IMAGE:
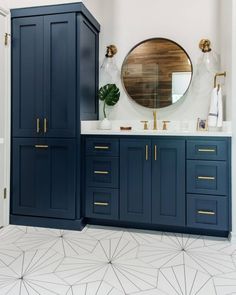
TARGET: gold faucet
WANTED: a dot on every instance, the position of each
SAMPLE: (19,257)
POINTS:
(154,120)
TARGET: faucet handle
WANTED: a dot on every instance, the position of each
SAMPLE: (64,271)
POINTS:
(165,124)
(145,126)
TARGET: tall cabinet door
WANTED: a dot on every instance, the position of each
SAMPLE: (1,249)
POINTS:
(28,176)
(168,182)
(60,75)
(44,178)
(27,76)
(59,199)
(135,181)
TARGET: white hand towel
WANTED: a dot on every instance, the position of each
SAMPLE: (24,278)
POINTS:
(220,109)
(213,111)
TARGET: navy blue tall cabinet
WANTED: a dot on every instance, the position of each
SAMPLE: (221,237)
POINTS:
(54,87)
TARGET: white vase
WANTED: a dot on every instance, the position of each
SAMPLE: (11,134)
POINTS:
(105,124)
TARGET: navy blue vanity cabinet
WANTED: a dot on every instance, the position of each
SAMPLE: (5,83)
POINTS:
(54,85)
(135,180)
(168,182)
(102,171)
(44,177)
(208,184)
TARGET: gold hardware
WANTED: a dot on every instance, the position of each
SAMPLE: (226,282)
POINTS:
(38,125)
(101,204)
(145,127)
(41,146)
(111,51)
(205,45)
(45,125)
(5,193)
(101,172)
(207,150)
(165,125)
(101,147)
(154,120)
(155,152)
(206,212)
(146,152)
(206,178)
(6,38)
(218,75)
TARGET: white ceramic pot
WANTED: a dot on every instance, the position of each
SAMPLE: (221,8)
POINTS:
(105,124)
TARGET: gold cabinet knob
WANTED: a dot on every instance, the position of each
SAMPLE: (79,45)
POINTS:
(145,126)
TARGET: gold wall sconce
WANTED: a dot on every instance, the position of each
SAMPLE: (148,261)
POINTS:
(205,45)
(111,51)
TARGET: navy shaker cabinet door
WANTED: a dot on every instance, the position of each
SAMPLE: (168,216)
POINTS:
(168,182)
(27,76)
(135,180)
(44,178)
(60,75)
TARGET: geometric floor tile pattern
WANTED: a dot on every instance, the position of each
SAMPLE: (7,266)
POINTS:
(114,261)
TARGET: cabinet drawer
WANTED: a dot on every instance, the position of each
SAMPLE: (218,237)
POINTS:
(209,212)
(207,177)
(102,172)
(102,147)
(102,203)
(207,150)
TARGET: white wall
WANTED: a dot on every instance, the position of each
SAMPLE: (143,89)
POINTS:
(127,22)
(184,21)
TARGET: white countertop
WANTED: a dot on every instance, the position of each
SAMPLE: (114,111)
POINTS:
(92,127)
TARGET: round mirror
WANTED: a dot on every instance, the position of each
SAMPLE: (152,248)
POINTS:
(157,73)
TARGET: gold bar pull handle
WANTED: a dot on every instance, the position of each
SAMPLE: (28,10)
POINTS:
(41,146)
(101,172)
(155,152)
(207,150)
(38,125)
(206,178)
(101,204)
(146,153)
(45,125)
(98,147)
(202,212)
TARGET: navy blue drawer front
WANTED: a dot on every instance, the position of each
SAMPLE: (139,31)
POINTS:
(207,177)
(207,150)
(208,212)
(102,172)
(102,203)
(102,146)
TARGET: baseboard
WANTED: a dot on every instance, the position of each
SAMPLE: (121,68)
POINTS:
(232,237)
(47,222)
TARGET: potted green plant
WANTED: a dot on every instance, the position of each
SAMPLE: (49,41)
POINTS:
(109,95)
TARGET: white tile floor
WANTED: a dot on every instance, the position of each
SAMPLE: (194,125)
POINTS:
(109,261)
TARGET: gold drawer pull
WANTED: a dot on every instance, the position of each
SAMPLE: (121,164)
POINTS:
(41,146)
(155,152)
(98,147)
(206,212)
(207,150)
(45,125)
(206,178)
(38,125)
(146,152)
(101,172)
(101,204)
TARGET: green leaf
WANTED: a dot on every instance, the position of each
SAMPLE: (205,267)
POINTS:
(110,94)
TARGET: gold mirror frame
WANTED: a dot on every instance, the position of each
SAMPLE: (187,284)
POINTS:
(154,90)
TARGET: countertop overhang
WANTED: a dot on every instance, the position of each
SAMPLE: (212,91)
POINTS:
(92,128)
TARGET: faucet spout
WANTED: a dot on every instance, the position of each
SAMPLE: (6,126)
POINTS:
(154,120)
